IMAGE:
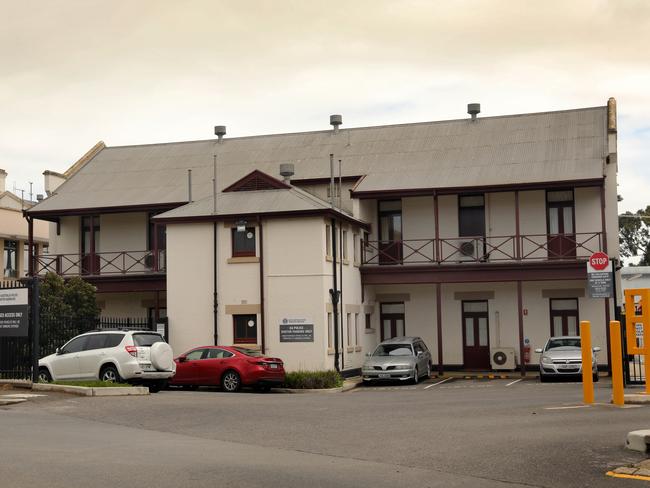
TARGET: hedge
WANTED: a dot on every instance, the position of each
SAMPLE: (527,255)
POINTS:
(301,380)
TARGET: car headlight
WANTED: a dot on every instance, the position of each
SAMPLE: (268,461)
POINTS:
(546,360)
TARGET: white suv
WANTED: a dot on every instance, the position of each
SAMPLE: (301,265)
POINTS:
(138,357)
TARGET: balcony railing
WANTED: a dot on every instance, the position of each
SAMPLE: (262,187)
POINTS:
(102,263)
(490,249)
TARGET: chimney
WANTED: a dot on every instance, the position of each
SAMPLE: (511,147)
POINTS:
(220,131)
(611,115)
(3,177)
(52,181)
(287,171)
(473,109)
(335,121)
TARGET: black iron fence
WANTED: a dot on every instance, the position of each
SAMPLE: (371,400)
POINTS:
(633,366)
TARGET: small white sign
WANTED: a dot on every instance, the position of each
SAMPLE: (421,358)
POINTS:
(14,296)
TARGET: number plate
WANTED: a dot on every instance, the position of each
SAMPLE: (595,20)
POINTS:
(274,366)
(568,366)
(384,375)
(147,367)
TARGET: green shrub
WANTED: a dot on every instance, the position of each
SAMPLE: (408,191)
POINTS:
(302,380)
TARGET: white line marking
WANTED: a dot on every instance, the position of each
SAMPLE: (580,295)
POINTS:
(513,382)
(438,383)
(565,408)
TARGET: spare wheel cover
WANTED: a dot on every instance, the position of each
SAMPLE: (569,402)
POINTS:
(162,357)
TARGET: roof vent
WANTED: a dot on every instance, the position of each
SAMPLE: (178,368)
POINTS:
(287,170)
(473,109)
(220,131)
(39,197)
(335,121)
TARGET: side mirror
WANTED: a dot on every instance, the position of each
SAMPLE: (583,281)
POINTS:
(539,350)
(420,354)
(58,351)
(182,359)
(368,354)
(596,349)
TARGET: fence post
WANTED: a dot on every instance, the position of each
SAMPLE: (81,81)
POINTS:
(36,326)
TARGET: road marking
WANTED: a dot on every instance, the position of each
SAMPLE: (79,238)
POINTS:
(566,408)
(628,476)
(438,383)
(513,382)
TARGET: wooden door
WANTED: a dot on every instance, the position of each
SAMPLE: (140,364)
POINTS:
(476,335)
(561,225)
(392,320)
(390,232)
(564,317)
(89,245)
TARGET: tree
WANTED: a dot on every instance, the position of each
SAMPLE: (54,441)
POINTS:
(68,308)
(634,235)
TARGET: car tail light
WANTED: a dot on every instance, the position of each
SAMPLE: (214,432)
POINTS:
(132,350)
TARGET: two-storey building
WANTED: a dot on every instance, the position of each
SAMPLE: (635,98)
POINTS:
(471,233)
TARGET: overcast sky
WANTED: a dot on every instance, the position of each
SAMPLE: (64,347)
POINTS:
(128,72)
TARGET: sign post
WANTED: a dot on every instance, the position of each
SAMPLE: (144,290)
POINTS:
(600,278)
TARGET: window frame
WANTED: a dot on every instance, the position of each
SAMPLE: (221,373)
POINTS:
(244,340)
(245,253)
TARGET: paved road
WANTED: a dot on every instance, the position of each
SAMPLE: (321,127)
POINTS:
(458,433)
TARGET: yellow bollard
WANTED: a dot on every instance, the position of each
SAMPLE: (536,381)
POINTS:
(587,375)
(618,396)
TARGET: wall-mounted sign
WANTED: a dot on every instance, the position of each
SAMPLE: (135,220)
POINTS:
(296,330)
(14,312)
(600,279)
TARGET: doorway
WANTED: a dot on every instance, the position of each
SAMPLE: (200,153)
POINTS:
(564,317)
(390,232)
(392,320)
(561,228)
(89,245)
(476,335)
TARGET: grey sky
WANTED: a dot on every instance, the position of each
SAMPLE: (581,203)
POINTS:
(130,72)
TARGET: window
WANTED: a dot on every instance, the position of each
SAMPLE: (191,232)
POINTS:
(344,245)
(95,341)
(348,323)
(216,353)
(146,339)
(243,243)
(471,216)
(368,323)
(328,241)
(355,248)
(418,348)
(245,329)
(26,259)
(157,234)
(10,259)
(330,331)
(75,345)
(113,340)
(194,355)
(356,329)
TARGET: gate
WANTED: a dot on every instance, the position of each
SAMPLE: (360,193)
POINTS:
(633,366)
(16,330)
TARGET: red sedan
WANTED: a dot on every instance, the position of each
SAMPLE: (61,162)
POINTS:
(228,366)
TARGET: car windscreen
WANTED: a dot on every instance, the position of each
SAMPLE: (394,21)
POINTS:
(248,352)
(568,343)
(393,350)
(146,340)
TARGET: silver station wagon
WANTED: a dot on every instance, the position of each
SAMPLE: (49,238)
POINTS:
(398,359)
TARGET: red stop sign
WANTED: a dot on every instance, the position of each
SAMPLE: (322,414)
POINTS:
(599,261)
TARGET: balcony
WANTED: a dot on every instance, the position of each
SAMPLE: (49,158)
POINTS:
(109,264)
(481,250)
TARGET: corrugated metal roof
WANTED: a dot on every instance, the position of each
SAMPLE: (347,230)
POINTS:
(249,202)
(528,148)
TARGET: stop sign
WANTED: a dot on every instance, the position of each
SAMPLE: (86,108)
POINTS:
(599,261)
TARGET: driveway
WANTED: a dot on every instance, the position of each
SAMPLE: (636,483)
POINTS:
(452,433)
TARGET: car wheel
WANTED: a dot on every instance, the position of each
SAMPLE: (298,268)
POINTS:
(428,370)
(230,381)
(596,377)
(44,375)
(416,376)
(110,373)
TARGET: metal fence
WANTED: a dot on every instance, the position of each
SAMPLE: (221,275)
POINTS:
(633,366)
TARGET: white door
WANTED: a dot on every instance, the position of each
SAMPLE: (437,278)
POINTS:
(91,356)
(66,364)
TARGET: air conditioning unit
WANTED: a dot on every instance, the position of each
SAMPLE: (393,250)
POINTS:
(467,250)
(502,358)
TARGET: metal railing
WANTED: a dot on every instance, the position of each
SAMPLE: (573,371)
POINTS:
(480,249)
(102,263)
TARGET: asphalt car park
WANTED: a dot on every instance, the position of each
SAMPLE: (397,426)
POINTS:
(442,432)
